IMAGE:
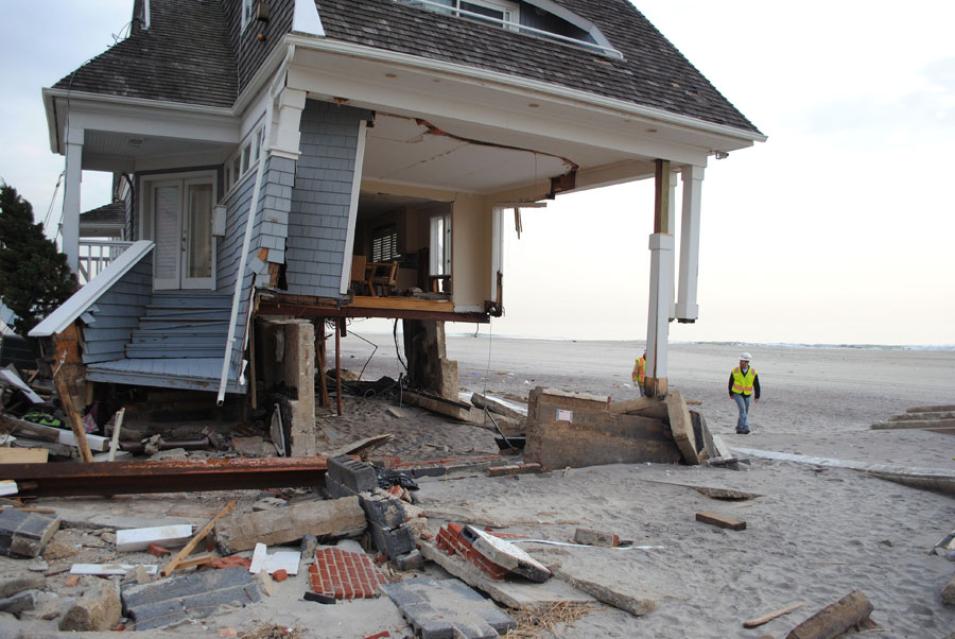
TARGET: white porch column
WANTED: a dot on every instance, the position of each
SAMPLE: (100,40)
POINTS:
(671,225)
(70,222)
(661,285)
(687,310)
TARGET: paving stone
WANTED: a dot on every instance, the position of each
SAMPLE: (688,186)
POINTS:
(98,609)
(392,543)
(351,475)
(168,601)
(18,583)
(20,602)
(440,609)
(25,534)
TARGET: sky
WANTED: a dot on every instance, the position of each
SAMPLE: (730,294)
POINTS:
(838,230)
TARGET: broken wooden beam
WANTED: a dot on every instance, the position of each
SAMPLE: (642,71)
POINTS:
(513,469)
(721,521)
(755,622)
(117,478)
(173,563)
(940,408)
(924,424)
(851,611)
(497,406)
(681,425)
(437,404)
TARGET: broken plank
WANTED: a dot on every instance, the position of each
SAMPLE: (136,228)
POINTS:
(513,469)
(53,449)
(24,455)
(722,521)
(940,408)
(498,406)
(360,446)
(835,619)
(915,423)
(199,536)
(11,424)
(440,405)
(681,425)
(755,622)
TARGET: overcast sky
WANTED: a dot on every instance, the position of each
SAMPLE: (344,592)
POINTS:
(839,229)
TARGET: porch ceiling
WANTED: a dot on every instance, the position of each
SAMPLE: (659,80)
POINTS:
(401,149)
(115,151)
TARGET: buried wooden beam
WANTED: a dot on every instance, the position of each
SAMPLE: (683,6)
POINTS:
(198,537)
(756,622)
(339,329)
(852,611)
(320,340)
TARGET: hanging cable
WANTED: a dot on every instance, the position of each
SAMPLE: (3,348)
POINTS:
(394,332)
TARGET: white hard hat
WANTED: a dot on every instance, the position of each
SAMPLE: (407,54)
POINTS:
(745,357)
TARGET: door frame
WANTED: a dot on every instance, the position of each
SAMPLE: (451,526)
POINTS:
(146,227)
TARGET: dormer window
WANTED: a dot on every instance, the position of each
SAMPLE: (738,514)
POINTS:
(541,18)
(248,8)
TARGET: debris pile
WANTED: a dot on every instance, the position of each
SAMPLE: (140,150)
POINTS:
(939,419)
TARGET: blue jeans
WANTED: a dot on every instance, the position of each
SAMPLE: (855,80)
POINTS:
(742,402)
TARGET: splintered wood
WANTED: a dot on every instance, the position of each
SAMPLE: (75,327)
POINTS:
(681,425)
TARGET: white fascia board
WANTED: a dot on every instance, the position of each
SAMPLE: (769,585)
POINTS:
(79,303)
(581,98)
(305,19)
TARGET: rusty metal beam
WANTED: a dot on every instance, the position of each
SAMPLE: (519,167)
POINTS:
(173,476)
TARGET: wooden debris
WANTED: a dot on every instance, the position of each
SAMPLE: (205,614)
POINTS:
(923,424)
(114,442)
(189,547)
(904,417)
(722,521)
(943,408)
(361,446)
(24,455)
(105,570)
(11,424)
(722,494)
(755,622)
(851,611)
(497,406)
(76,421)
(513,469)
(195,561)
(681,425)
(440,405)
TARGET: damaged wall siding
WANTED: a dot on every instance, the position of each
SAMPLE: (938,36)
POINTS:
(271,222)
(318,219)
(116,314)
(229,246)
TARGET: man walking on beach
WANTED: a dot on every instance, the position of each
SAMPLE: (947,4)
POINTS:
(639,373)
(744,381)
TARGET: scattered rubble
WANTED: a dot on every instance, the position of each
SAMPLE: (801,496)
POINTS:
(25,534)
(445,608)
(852,611)
(98,609)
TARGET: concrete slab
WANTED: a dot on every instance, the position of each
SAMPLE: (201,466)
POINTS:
(447,608)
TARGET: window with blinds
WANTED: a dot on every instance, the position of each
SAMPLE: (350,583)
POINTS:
(384,244)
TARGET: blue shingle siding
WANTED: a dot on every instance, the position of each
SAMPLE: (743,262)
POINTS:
(229,247)
(116,314)
(318,219)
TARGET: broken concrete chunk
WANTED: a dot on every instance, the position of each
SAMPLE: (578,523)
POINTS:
(413,560)
(394,542)
(25,534)
(384,510)
(98,609)
(134,539)
(346,476)
(948,593)
(635,605)
(447,608)
(596,538)
(10,586)
(507,555)
(190,596)
(20,602)
(327,518)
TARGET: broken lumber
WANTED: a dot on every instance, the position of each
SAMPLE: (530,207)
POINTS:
(24,455)
(646,406)
(497,406)
(941,408)
(681,425)
(199,536)
(755,622)
(76,422)
(721,521)
(328,518)
(925,424)
(904,417)
(361,446)
(513,469)
(11,424)
(437,404)
(120,478)
(835,619)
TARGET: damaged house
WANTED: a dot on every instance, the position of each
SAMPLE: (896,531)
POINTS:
(321,160)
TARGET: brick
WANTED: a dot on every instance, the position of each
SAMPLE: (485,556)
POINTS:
(280,575)
(169,601)
(354,475)
(157,550)
(344,575)
(25,534)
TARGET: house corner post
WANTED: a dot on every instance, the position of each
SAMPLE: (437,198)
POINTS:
(687,309)
(73,178)
(661,284)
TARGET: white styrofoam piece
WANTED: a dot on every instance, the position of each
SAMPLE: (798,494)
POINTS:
(503,552)
(134,539)
(14,380)
(110,569)
(286,560)
(8,487)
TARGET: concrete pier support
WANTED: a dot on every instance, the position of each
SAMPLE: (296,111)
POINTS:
(286,350)
(429,368)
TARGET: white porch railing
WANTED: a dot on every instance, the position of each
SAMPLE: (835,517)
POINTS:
(96,255)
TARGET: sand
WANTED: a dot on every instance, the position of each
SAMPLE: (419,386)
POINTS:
(815,534)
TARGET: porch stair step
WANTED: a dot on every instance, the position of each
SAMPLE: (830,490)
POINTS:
(185,339)
(173,351)
(179,300)
(153,312)
(205,327)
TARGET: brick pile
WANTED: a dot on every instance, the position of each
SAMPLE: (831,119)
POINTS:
(452,542)
(344,575)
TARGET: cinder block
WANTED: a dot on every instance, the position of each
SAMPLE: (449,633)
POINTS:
(353,474)
(392,543)
(413,560)
(384,510)
(25,534)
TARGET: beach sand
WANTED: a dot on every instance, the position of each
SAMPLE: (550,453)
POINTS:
(814,535)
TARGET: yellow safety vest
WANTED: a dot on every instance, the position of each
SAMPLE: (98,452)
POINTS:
(743,384)
(639,370)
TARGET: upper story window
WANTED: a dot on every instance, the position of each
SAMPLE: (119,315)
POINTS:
(248,8)
(246,157)
(542,18)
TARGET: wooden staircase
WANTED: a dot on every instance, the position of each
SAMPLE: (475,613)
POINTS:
(182,325)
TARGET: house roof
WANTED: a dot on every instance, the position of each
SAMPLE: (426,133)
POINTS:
(185,56)
(652,72)
(108,214)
